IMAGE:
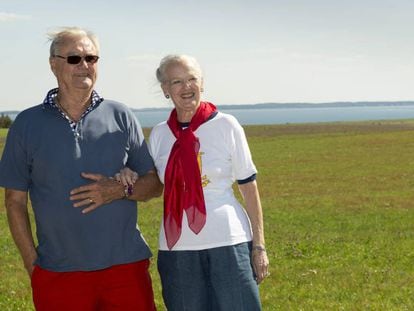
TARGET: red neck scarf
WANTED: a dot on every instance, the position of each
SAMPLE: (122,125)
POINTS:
(183,190)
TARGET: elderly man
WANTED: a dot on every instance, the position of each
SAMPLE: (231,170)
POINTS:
(83,261)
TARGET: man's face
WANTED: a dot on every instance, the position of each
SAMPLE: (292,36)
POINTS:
(79,76)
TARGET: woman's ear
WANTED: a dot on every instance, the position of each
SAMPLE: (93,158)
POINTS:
(165,90)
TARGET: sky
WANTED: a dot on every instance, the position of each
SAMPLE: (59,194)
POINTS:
(283,51)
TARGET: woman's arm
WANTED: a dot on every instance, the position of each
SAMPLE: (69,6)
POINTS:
(251,198)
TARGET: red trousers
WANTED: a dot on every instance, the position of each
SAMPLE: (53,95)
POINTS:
(118,288)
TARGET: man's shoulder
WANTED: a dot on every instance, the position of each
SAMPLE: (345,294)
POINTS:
(118,112)
(30,114)
(32,110)
(115,105)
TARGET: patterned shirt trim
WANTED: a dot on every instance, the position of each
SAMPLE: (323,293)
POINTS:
(50,100)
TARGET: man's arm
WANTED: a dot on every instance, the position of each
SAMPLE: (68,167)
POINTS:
(104,190)
(19,223)
(146,187)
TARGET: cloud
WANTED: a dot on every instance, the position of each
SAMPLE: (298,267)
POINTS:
(11,17)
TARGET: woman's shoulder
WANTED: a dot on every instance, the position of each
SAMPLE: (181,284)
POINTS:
(225,119)
(160,126)
(159,129)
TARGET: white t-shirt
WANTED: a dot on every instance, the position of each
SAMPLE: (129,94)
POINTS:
(224,157)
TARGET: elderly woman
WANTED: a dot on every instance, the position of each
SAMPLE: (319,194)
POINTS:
(207,244)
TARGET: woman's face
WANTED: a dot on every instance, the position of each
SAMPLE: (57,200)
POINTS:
(183,84)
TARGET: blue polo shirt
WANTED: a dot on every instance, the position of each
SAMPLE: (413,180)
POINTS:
(45,156)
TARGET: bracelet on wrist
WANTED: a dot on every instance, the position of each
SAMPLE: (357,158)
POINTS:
(259,248)
(128,190)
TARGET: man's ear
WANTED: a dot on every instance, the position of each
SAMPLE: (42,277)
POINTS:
(52,63)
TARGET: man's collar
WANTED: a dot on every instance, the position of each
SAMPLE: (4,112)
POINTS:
(49,100)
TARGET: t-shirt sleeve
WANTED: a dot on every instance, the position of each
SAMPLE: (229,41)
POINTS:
(139,158)
(15,163)
(243,166)
(247,180)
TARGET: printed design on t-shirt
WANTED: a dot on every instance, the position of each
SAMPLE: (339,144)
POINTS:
(204,179)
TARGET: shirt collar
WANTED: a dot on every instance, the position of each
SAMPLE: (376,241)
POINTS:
(49,100)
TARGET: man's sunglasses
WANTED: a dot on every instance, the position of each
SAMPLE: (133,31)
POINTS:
(76,59)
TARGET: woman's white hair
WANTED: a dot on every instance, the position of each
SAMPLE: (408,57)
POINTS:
(176,59)
(60,35)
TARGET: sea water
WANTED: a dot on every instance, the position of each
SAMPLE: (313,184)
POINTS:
(149,118)
(279,115)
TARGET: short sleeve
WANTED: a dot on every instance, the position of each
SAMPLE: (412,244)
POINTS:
(15,163)
(139,158)
(243,166)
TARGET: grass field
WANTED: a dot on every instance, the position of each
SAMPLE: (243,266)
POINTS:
(338,202)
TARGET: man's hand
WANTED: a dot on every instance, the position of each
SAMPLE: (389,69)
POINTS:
(102,191)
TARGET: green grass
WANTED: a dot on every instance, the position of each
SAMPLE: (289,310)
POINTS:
(339,218)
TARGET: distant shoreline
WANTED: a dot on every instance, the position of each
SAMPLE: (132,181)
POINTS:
(299,105)
(278,105)
(319,105)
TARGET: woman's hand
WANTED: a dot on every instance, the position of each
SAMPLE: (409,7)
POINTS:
(126,177)
(260,264)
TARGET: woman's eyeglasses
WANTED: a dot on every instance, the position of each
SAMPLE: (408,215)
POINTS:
(181,82)
(76,59)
